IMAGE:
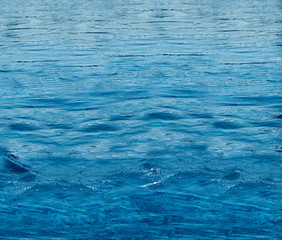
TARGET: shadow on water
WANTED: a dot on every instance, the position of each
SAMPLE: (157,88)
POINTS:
(12,163)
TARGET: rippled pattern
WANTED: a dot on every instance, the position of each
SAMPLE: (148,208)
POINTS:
(140,119)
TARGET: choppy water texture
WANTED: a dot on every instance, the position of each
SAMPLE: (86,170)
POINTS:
(154,119)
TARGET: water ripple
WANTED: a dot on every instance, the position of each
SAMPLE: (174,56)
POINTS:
(140,120)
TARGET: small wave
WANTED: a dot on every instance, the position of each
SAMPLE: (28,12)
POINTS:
(23,127)
(161,116)
(100,128)
(227,125)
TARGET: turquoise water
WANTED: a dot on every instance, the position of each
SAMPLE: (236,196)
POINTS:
(140,119)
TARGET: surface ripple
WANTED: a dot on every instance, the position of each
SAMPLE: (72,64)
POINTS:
(140,119)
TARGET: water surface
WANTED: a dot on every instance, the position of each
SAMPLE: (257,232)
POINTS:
(140,119)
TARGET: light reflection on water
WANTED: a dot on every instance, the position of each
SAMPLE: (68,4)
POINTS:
(140,119)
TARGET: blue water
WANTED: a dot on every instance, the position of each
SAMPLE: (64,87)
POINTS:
(154,119)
